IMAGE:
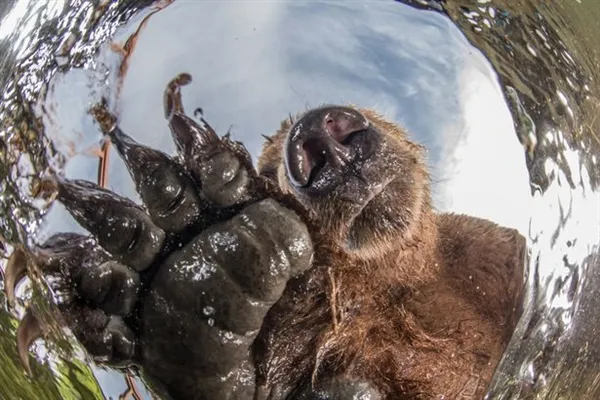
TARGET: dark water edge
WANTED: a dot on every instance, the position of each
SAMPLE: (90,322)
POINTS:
(540,49)
(50,37)
(547,55)
(554,99)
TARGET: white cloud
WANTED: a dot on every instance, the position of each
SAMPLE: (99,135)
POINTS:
(485,170)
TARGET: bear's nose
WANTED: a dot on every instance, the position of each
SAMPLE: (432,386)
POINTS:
(318,138)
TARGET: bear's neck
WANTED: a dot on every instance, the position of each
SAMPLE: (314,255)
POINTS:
(407,260)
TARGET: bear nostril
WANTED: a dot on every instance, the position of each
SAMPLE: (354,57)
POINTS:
(337,129)
(330,126)
(315,156)
(340,123)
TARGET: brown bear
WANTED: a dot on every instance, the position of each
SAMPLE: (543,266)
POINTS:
(421,304)
(325,274)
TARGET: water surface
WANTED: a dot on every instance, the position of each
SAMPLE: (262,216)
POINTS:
(503,94)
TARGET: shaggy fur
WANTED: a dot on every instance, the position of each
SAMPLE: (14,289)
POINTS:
(420,304)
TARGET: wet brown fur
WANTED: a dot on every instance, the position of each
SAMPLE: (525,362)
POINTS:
(422,309)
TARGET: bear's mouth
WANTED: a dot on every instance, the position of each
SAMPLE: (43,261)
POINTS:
(372,192)
(331,148)
(321,165)
(320,142)
(355,182)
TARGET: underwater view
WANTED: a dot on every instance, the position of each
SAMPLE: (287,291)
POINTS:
(500,96)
